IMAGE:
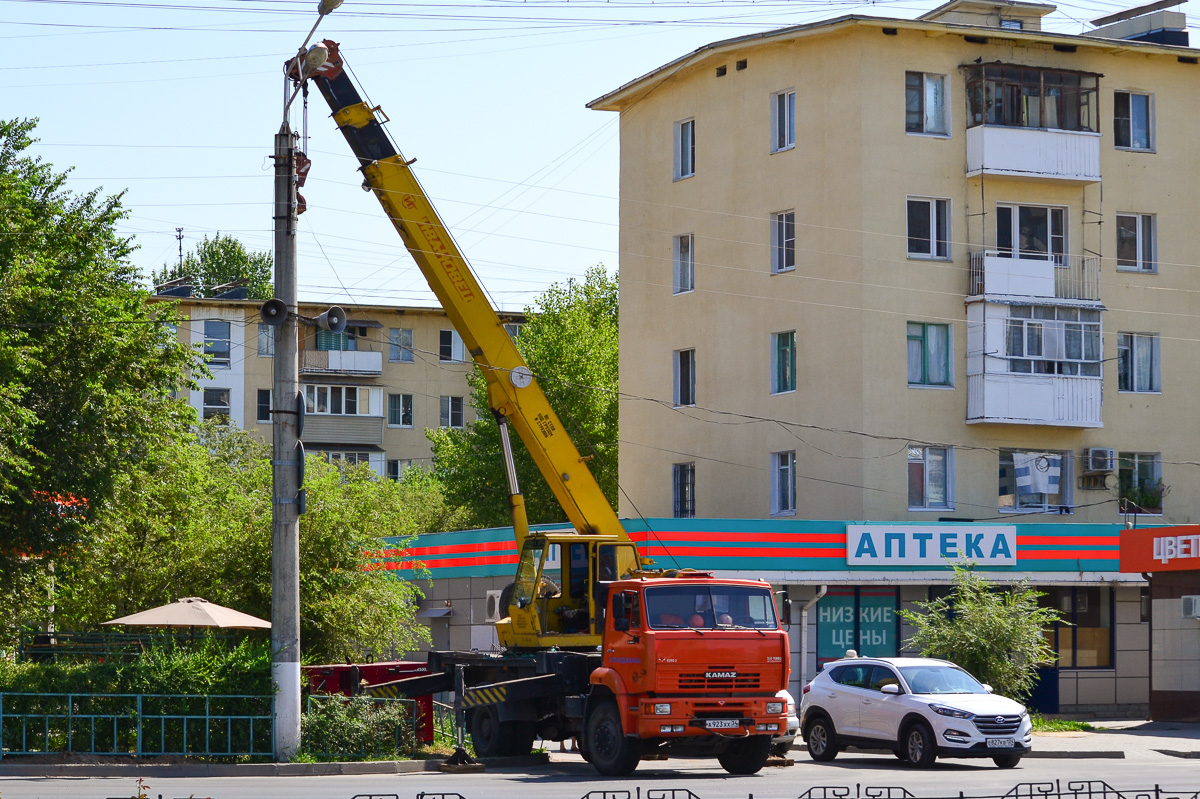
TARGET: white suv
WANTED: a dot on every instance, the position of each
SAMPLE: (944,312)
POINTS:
(918,708)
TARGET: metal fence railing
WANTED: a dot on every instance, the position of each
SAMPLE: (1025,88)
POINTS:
(136,724)
(40,646)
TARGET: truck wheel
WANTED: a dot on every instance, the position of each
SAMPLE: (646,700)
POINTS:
(918,745)
(610,752)
(746,755)
(520,735)
(487,733)
(821,740)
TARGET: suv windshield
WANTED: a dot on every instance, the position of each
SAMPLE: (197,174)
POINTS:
(709,607)
(940,680)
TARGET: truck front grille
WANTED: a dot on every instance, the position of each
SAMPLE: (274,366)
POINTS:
(993,726)
(699,681)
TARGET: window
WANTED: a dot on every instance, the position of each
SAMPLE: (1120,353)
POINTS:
(400,410)
(684,264)
(683,479)
(1012,24)
(925,103)
(216,403)
(928,354)
(1132,121)
(338,400)
(783,483)
(216,343)
(1025,97)
(1031,231)
(396,468)
(349,458)
(1136,242)
(783,121)
(783,362)
(346,341)
(685,149)
(1049,340)
(783,241)
(266,341)
(928,228)
(400,345)
(1139,480)
(1035,481)
(929,478)
(264,406)
(450,346)
(512,329)
(1083,639)
(451,412)
(685,377)
(1138,362)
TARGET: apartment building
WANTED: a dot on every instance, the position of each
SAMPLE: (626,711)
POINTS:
(370,392)
(934,278)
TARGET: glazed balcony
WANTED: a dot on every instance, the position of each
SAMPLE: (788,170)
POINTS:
(341,362)
(1067,277)
(1037,153)
(1053,400)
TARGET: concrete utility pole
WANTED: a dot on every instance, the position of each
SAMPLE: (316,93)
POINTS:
(285,512)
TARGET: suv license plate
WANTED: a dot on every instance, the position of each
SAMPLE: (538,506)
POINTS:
(724,724)
(1000,743)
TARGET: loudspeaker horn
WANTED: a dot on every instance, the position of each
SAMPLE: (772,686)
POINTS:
(333,320)
(273,312)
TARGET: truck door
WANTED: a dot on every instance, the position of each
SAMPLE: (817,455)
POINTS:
(624,650)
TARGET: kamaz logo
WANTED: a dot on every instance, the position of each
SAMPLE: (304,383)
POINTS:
(720,675)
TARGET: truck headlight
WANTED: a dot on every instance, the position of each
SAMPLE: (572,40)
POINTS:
(774,708)
(662,709)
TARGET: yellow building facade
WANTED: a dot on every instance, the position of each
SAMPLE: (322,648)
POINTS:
(911,270)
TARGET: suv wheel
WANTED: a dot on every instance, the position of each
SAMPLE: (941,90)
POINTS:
(821,740)
(1006,761)
(918,746)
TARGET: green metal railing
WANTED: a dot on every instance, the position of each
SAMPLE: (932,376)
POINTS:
(136,724)
(443,724)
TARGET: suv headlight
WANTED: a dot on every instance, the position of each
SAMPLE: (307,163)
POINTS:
(952,712)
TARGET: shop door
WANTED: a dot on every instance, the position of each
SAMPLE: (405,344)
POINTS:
(1044,698)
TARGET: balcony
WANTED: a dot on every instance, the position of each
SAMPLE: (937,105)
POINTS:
(1033,153)
(341,362)
(1053,400)
(1071,277)
(333,429)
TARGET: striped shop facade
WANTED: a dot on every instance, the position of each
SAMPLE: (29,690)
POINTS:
(869,570)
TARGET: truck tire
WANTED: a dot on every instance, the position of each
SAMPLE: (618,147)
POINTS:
(610,752)
(520,735)
(746,755)
(487,733)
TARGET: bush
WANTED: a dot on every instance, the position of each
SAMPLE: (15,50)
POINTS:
(357,728)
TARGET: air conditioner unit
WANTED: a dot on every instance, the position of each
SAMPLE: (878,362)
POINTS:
(1099,459)
(492,606)
(1191,607)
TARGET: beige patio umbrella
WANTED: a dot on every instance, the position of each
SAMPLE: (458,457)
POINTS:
(192,611)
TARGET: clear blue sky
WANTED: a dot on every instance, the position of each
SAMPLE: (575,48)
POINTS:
(176,105)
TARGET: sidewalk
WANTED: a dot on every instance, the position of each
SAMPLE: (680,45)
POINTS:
(1122,739)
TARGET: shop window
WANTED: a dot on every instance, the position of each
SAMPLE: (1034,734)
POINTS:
(1084,637)
(859,618)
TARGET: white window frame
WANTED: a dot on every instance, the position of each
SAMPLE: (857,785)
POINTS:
(319,399)
(683,264)
(458,353)
(406,409)
(683,490)
(920,454)
(1149,148)
(1065,485)
(685,148)
(1130,347)
(1145,227)
(211,337)
(783,483)
(778,341)
(258,397)
(928,79)
(513,329)
(266,340)
(1059,257)
(209,409)
(1036,344)
(783,241)
(684,392)
(937,236)
(449,408)
(400,345)
(783,120)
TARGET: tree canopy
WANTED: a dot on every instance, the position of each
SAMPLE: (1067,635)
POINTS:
(220,260)
(570,343)
(996,633)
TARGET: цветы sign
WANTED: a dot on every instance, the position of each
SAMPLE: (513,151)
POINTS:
(1161,549)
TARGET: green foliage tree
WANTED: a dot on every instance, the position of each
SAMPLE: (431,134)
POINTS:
(570,343)
(87,367)
(994,633)
(220,260)
(198,523)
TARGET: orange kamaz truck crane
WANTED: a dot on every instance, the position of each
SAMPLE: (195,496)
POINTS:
(597,645)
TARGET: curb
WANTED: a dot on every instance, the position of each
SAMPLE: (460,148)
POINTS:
(252,769)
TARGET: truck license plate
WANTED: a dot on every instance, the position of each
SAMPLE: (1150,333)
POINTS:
(722,724)
(1000,743)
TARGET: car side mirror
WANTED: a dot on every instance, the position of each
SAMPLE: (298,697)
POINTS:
(890,688)
(987,688)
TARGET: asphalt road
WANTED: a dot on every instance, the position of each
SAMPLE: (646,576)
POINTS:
(573,779)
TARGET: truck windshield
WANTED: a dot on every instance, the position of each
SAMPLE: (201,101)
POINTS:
(720,607)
